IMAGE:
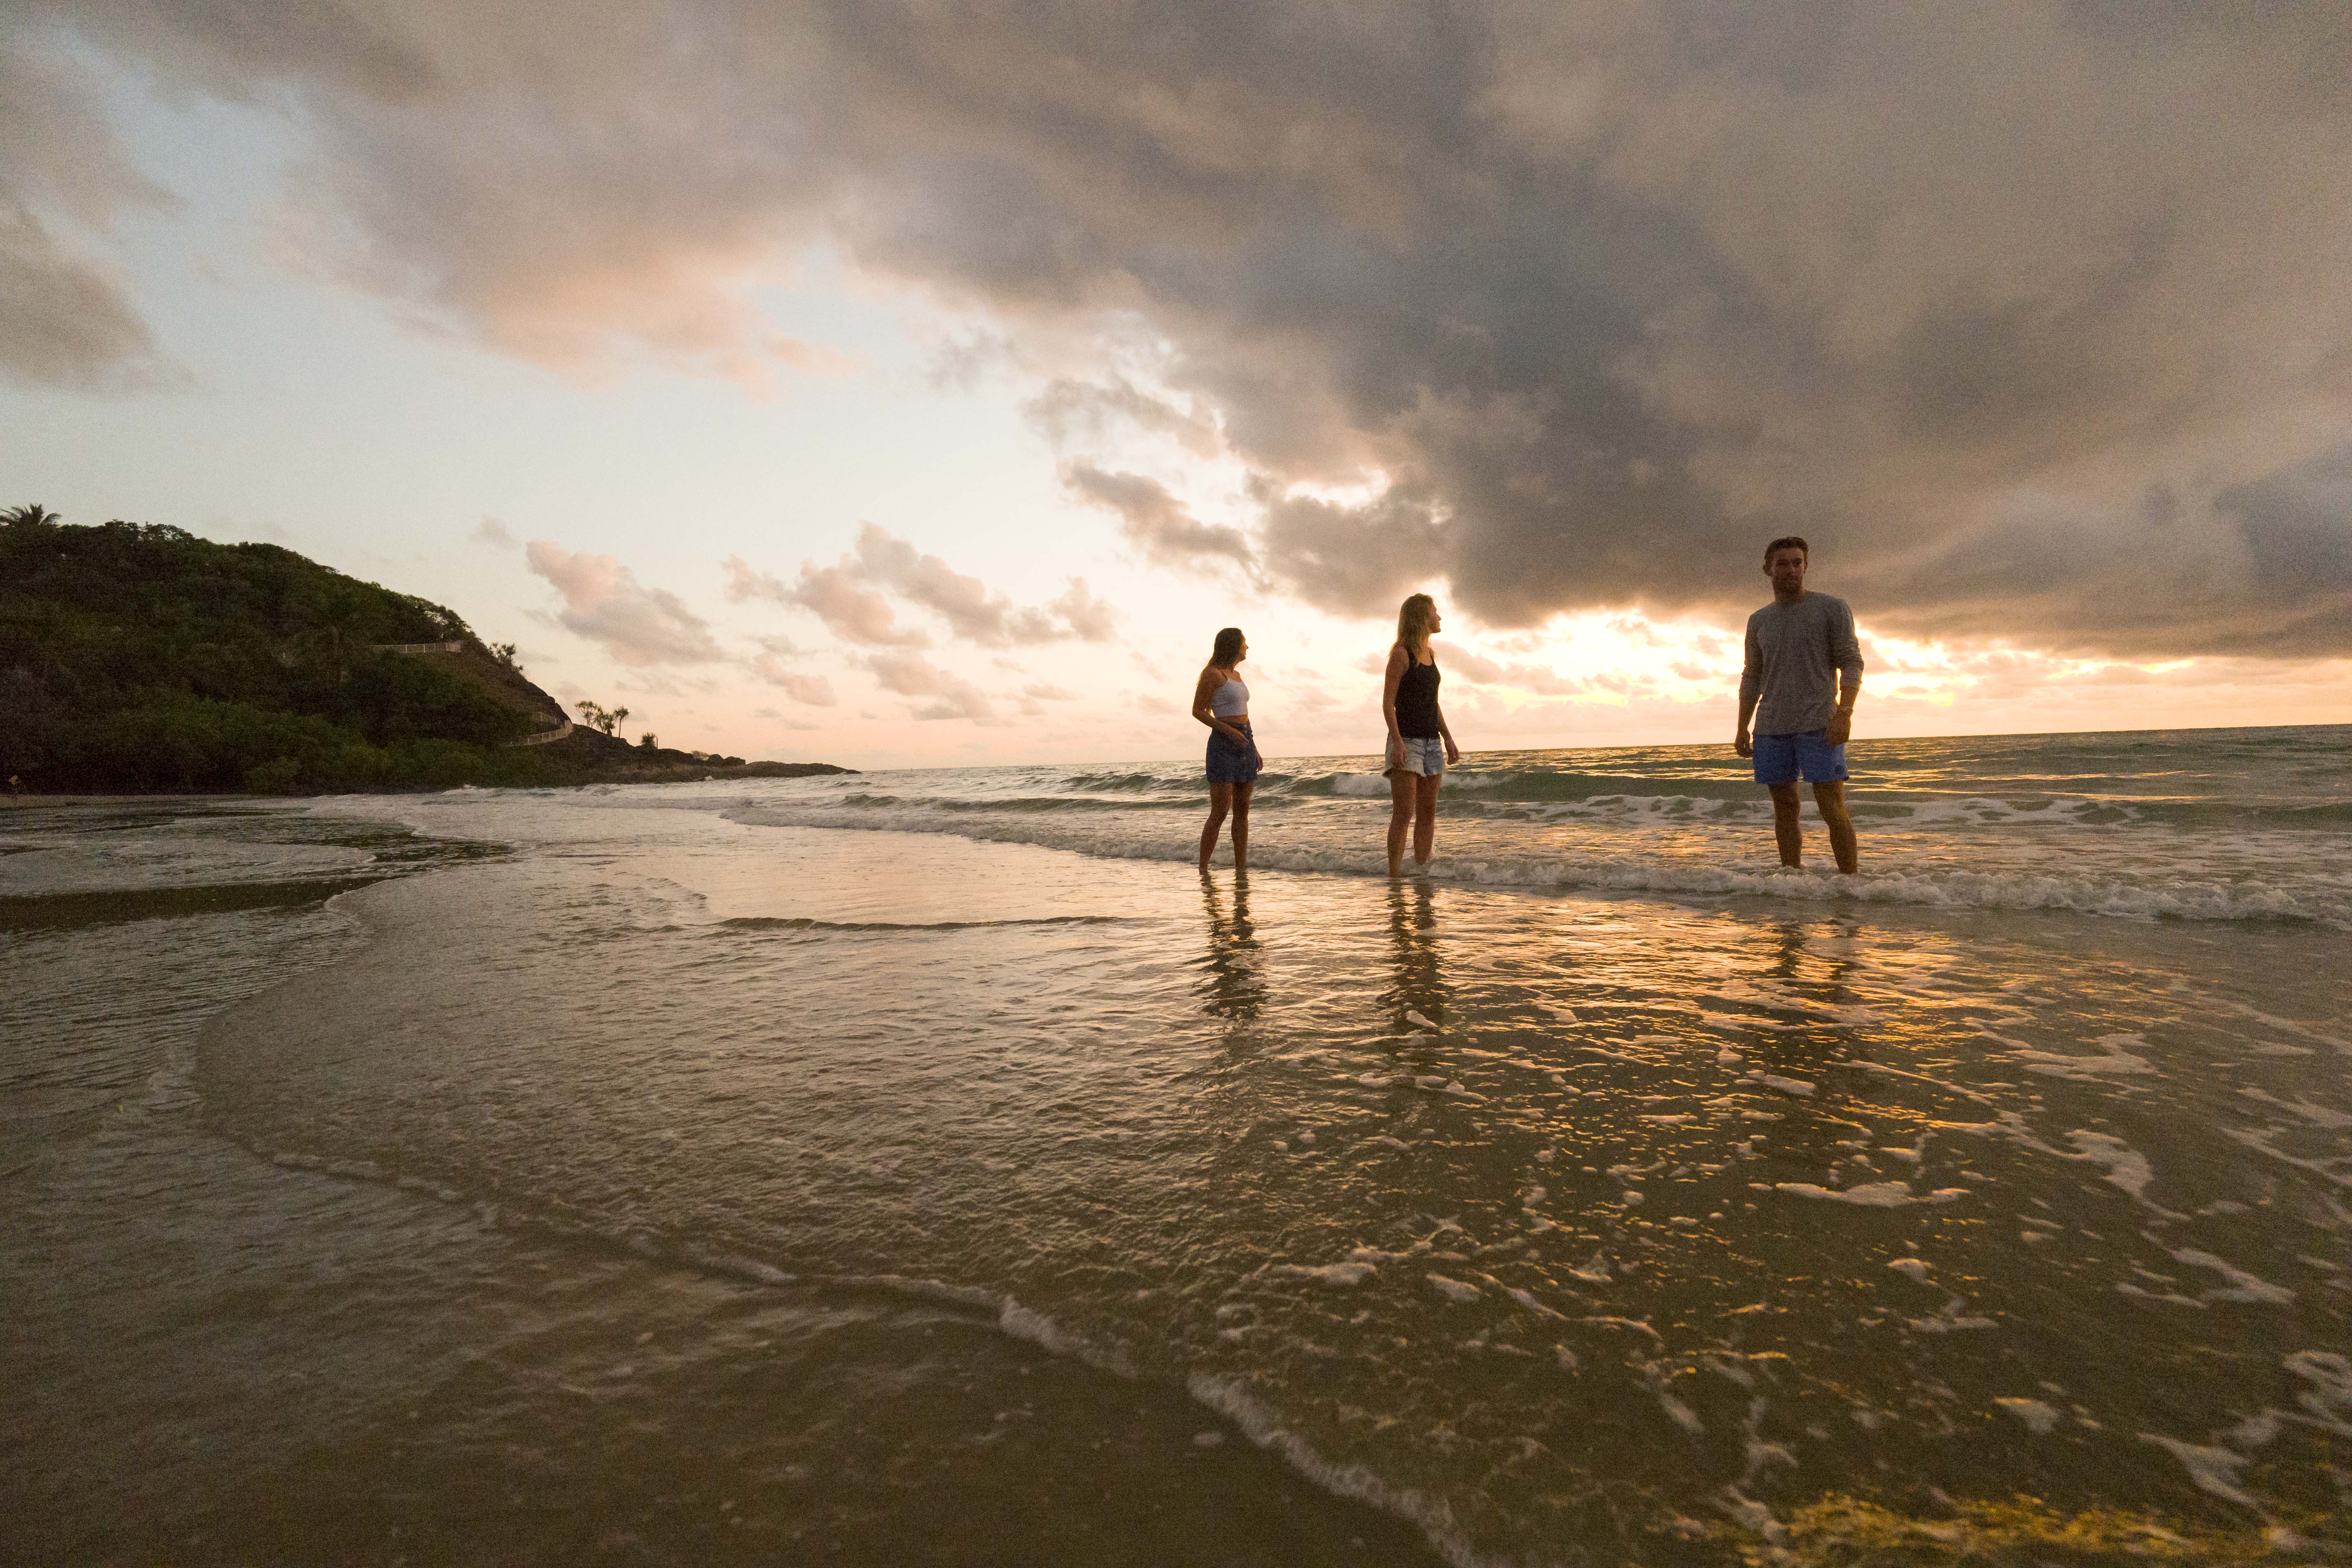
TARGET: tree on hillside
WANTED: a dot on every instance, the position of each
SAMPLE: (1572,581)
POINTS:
(33,515)
(596,716)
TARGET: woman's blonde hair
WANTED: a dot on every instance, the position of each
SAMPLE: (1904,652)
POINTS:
(1412,622)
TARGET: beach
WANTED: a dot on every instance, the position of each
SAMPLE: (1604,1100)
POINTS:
(932,1166)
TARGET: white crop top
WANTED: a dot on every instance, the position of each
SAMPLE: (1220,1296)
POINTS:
(1230,700)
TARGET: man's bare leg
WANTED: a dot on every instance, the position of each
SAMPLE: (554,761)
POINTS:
(1401,792)
(1831,798)
(1424,817)
(1241,825)
(1784,824)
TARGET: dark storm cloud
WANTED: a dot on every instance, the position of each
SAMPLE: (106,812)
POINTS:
(1067,408)
(1480,671)
(2293,525)
(1156,522)
(67,324)
(65,321)
(238,49)
(1363,558)
(1589,300)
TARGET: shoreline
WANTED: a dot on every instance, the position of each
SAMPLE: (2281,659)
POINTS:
(684,775)
(1635,1120)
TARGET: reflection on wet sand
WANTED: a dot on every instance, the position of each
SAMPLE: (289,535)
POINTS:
(1418,987)
(1233,983)
(1800,1023)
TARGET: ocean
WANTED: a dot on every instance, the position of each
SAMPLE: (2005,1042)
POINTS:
(933,1167)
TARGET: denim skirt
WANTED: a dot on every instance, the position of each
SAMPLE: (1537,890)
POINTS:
(1422,755)
(1229,763)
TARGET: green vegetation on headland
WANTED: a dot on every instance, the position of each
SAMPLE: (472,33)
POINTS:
(137,658)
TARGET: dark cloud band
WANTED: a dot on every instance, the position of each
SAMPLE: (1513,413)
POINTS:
(1585,301)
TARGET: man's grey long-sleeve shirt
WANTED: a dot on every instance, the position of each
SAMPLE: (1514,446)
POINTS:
(1795,654)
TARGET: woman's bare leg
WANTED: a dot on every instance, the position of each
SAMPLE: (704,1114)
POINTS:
(1220,800)
(1241,793)
(1400,817)
(1424,817)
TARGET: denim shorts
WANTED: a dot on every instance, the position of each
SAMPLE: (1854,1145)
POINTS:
(1422,755)
(1231,764)
(1781,758)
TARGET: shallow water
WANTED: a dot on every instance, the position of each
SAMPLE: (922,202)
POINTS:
(667,1175)
(2206,824)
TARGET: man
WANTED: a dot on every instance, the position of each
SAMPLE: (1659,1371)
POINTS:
(1803,675)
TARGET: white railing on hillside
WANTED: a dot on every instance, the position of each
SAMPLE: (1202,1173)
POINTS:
(454,645)
(544,736)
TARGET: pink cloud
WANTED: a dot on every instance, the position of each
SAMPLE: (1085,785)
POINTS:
(603,602)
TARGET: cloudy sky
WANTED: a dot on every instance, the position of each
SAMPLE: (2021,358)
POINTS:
(926,383)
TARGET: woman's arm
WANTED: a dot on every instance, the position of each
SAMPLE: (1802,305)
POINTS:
(1206,688)
(1397,659)
(1453,751)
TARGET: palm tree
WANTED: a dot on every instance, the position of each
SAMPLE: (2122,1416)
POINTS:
(32,515)
(598,717)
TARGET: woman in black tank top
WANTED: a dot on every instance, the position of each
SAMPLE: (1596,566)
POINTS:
(1416,702)
(1419,746)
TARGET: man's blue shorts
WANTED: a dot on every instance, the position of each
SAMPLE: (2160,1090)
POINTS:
(1781,758)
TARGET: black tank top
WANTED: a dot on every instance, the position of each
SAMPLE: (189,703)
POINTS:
(1416,700)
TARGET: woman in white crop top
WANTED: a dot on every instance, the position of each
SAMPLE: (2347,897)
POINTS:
(1220,702)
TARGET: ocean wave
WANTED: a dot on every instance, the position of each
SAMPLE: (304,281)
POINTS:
(1435,1520)
(1135,783)
(1371,787)
(1039,803)
(1523,794)
(2144,894)
(1525,785)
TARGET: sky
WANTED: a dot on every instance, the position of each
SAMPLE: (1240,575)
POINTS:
(925,384)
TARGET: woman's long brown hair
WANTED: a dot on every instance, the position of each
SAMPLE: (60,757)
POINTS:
(1412,624)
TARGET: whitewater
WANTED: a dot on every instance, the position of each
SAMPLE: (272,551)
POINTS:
(2208,825)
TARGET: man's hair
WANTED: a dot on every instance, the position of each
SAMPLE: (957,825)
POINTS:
(1787,542)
